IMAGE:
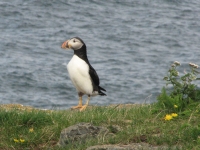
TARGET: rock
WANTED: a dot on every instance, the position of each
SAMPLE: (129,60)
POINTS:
(105,147)
(80,132)
(133,146)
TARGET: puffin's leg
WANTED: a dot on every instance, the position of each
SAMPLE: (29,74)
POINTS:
(80,101)
(87,103)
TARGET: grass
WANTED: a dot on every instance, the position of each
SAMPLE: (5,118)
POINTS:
(40,129)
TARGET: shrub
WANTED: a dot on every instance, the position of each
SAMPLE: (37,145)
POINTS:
(183,90)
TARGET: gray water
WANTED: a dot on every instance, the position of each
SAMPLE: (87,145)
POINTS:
(131,45)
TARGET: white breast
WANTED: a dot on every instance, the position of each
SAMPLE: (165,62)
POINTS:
(79,74)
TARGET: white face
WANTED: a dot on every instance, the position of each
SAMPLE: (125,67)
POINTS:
(75,44)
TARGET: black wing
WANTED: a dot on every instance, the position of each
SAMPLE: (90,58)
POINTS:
(94,76)
(95,81)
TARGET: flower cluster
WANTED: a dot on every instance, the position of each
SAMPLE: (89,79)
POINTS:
(19,140)
(175,106)
(31,130)
(193,65)
(170,116)
(22,140)
(177,63)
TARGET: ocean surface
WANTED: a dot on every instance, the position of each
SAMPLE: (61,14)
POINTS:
(131,45)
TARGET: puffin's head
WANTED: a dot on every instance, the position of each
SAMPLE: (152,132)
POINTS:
(74,43)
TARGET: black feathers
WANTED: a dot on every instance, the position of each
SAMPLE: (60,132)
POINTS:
(95,81)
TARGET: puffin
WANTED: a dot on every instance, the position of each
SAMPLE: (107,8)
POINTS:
(82,74)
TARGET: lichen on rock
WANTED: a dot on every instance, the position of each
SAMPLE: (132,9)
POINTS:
(80,132)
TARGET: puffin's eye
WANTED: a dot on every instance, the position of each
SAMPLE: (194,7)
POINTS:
(74,40)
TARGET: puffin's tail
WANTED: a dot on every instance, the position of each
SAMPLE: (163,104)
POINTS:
(100,92)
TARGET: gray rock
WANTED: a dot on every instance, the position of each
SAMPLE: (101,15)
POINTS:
(133,146)
(105,147)
(80,132)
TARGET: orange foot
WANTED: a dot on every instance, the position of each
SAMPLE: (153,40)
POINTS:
(76,107)
(83,107)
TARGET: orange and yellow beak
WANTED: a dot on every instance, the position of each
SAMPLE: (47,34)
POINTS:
(66,45)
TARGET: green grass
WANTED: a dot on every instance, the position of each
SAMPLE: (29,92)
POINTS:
(141,123)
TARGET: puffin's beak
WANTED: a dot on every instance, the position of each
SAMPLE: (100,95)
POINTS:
(65,45)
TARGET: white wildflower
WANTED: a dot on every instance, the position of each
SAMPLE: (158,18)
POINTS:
(173,65)
(177,63)
(193,65)
(196,66)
